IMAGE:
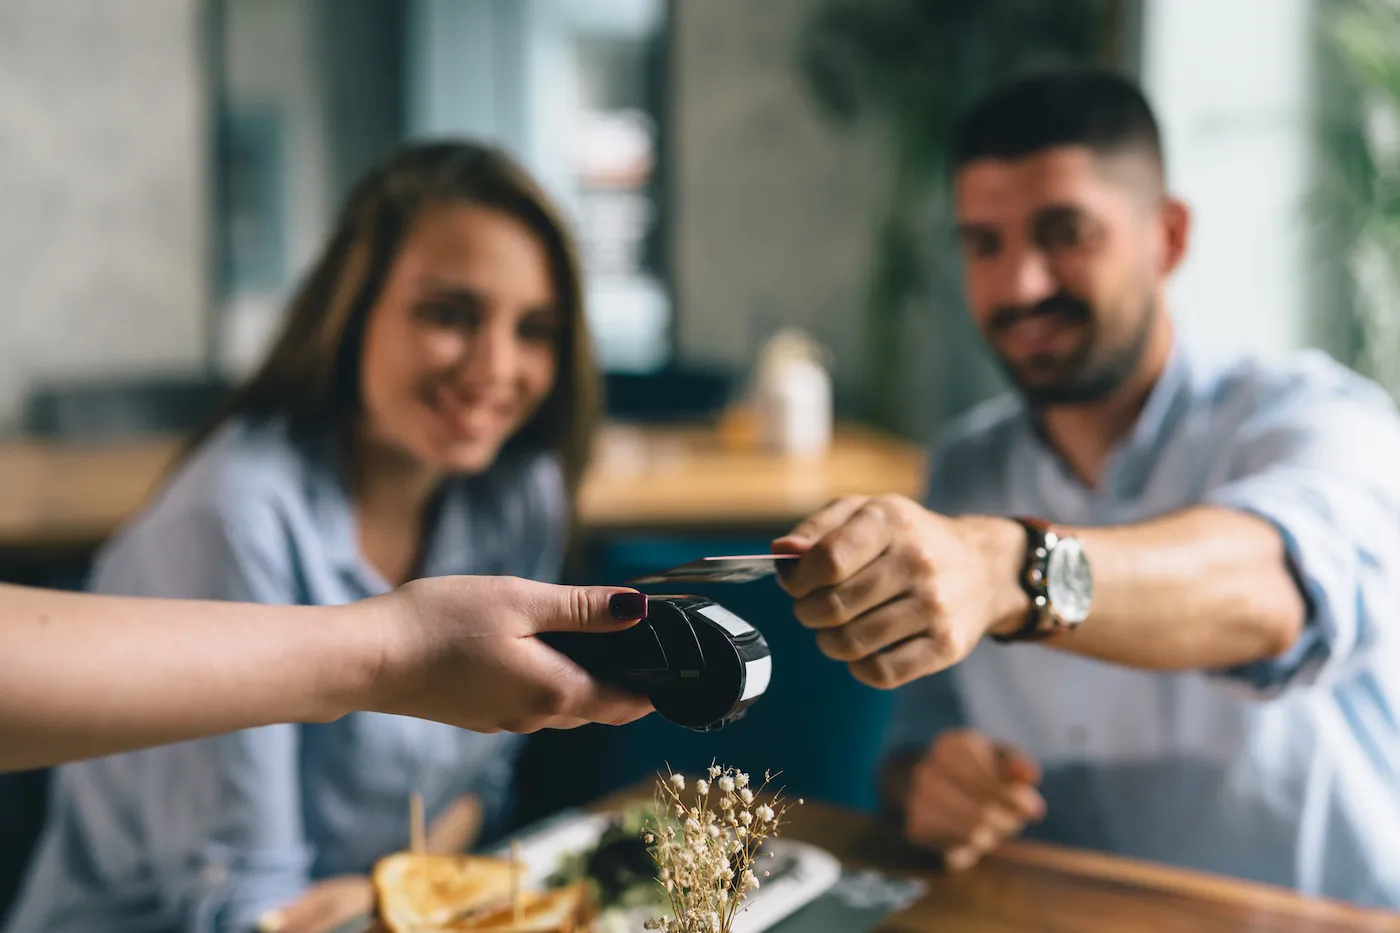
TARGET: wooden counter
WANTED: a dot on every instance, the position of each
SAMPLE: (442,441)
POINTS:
(681,479)
(71,496)
(60,497)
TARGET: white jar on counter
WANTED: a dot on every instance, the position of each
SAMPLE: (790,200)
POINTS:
(792,397)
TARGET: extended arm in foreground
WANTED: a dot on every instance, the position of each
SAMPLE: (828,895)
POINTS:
(83,675)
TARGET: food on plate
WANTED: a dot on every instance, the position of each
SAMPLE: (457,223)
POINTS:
(619,868)
(562,910)
(428,893)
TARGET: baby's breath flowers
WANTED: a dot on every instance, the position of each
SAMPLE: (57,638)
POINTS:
(705,849)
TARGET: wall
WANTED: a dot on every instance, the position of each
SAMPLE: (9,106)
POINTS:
(361,45)
(1239,150)
(270,68)
(270,62)
(102,178)
(329,73)
(776,207)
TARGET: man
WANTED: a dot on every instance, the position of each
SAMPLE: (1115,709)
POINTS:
(1195,659)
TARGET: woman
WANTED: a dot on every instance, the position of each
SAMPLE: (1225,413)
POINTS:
(426,411)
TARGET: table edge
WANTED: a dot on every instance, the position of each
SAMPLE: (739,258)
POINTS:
(1177,879)
(1119,869)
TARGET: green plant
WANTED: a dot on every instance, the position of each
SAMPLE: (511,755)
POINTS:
(1358,199)
(907,68)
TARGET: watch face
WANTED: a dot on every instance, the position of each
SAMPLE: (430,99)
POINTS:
(1069,582)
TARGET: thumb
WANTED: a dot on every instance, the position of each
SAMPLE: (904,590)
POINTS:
(588,609)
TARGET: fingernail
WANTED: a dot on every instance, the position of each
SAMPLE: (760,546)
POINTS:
(270,921)
(628,606)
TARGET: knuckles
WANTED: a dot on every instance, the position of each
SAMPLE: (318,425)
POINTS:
(546,702)
(829,558)
(825,608)
(841,644)
(882,674)
(954,743)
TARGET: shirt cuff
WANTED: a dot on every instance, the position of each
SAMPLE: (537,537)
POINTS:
(1323,565)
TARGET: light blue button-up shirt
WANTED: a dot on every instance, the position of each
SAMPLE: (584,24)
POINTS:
(206,835)
(1285,771)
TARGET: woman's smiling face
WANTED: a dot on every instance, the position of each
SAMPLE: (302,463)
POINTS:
(462,346)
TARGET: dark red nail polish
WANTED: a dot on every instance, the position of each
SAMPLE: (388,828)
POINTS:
(628,606)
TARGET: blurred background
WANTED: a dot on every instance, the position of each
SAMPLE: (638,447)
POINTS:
(168,169)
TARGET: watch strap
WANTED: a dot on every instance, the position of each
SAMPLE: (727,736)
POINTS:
(1039,624)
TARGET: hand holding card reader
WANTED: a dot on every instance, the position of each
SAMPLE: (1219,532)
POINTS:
(699,664)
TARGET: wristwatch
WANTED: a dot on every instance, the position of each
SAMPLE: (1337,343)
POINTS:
(1057,578)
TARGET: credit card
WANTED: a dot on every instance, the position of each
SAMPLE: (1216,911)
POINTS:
(741,569)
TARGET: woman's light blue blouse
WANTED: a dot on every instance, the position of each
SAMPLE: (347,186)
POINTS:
(207,835)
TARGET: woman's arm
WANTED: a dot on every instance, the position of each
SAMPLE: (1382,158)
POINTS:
(82,676)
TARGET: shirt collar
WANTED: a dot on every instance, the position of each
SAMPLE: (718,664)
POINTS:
(1130,462)
(332,511)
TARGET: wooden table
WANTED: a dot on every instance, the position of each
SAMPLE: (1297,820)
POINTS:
(1029,887)
(696,479)
(71,496)
(60,498)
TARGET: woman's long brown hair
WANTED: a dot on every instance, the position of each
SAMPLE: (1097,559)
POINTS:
(312,373)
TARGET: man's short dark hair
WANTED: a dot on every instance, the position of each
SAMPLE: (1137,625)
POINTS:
(1094,108)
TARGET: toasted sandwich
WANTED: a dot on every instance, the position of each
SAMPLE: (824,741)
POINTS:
(426,893)
(563,910)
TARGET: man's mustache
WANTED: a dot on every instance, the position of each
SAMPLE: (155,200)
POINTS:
(1062,304)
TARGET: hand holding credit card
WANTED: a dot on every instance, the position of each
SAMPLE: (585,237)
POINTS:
(739,569)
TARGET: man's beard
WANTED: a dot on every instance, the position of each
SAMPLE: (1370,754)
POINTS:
(1090,372)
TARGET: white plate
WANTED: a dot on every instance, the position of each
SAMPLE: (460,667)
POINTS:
(800,873)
